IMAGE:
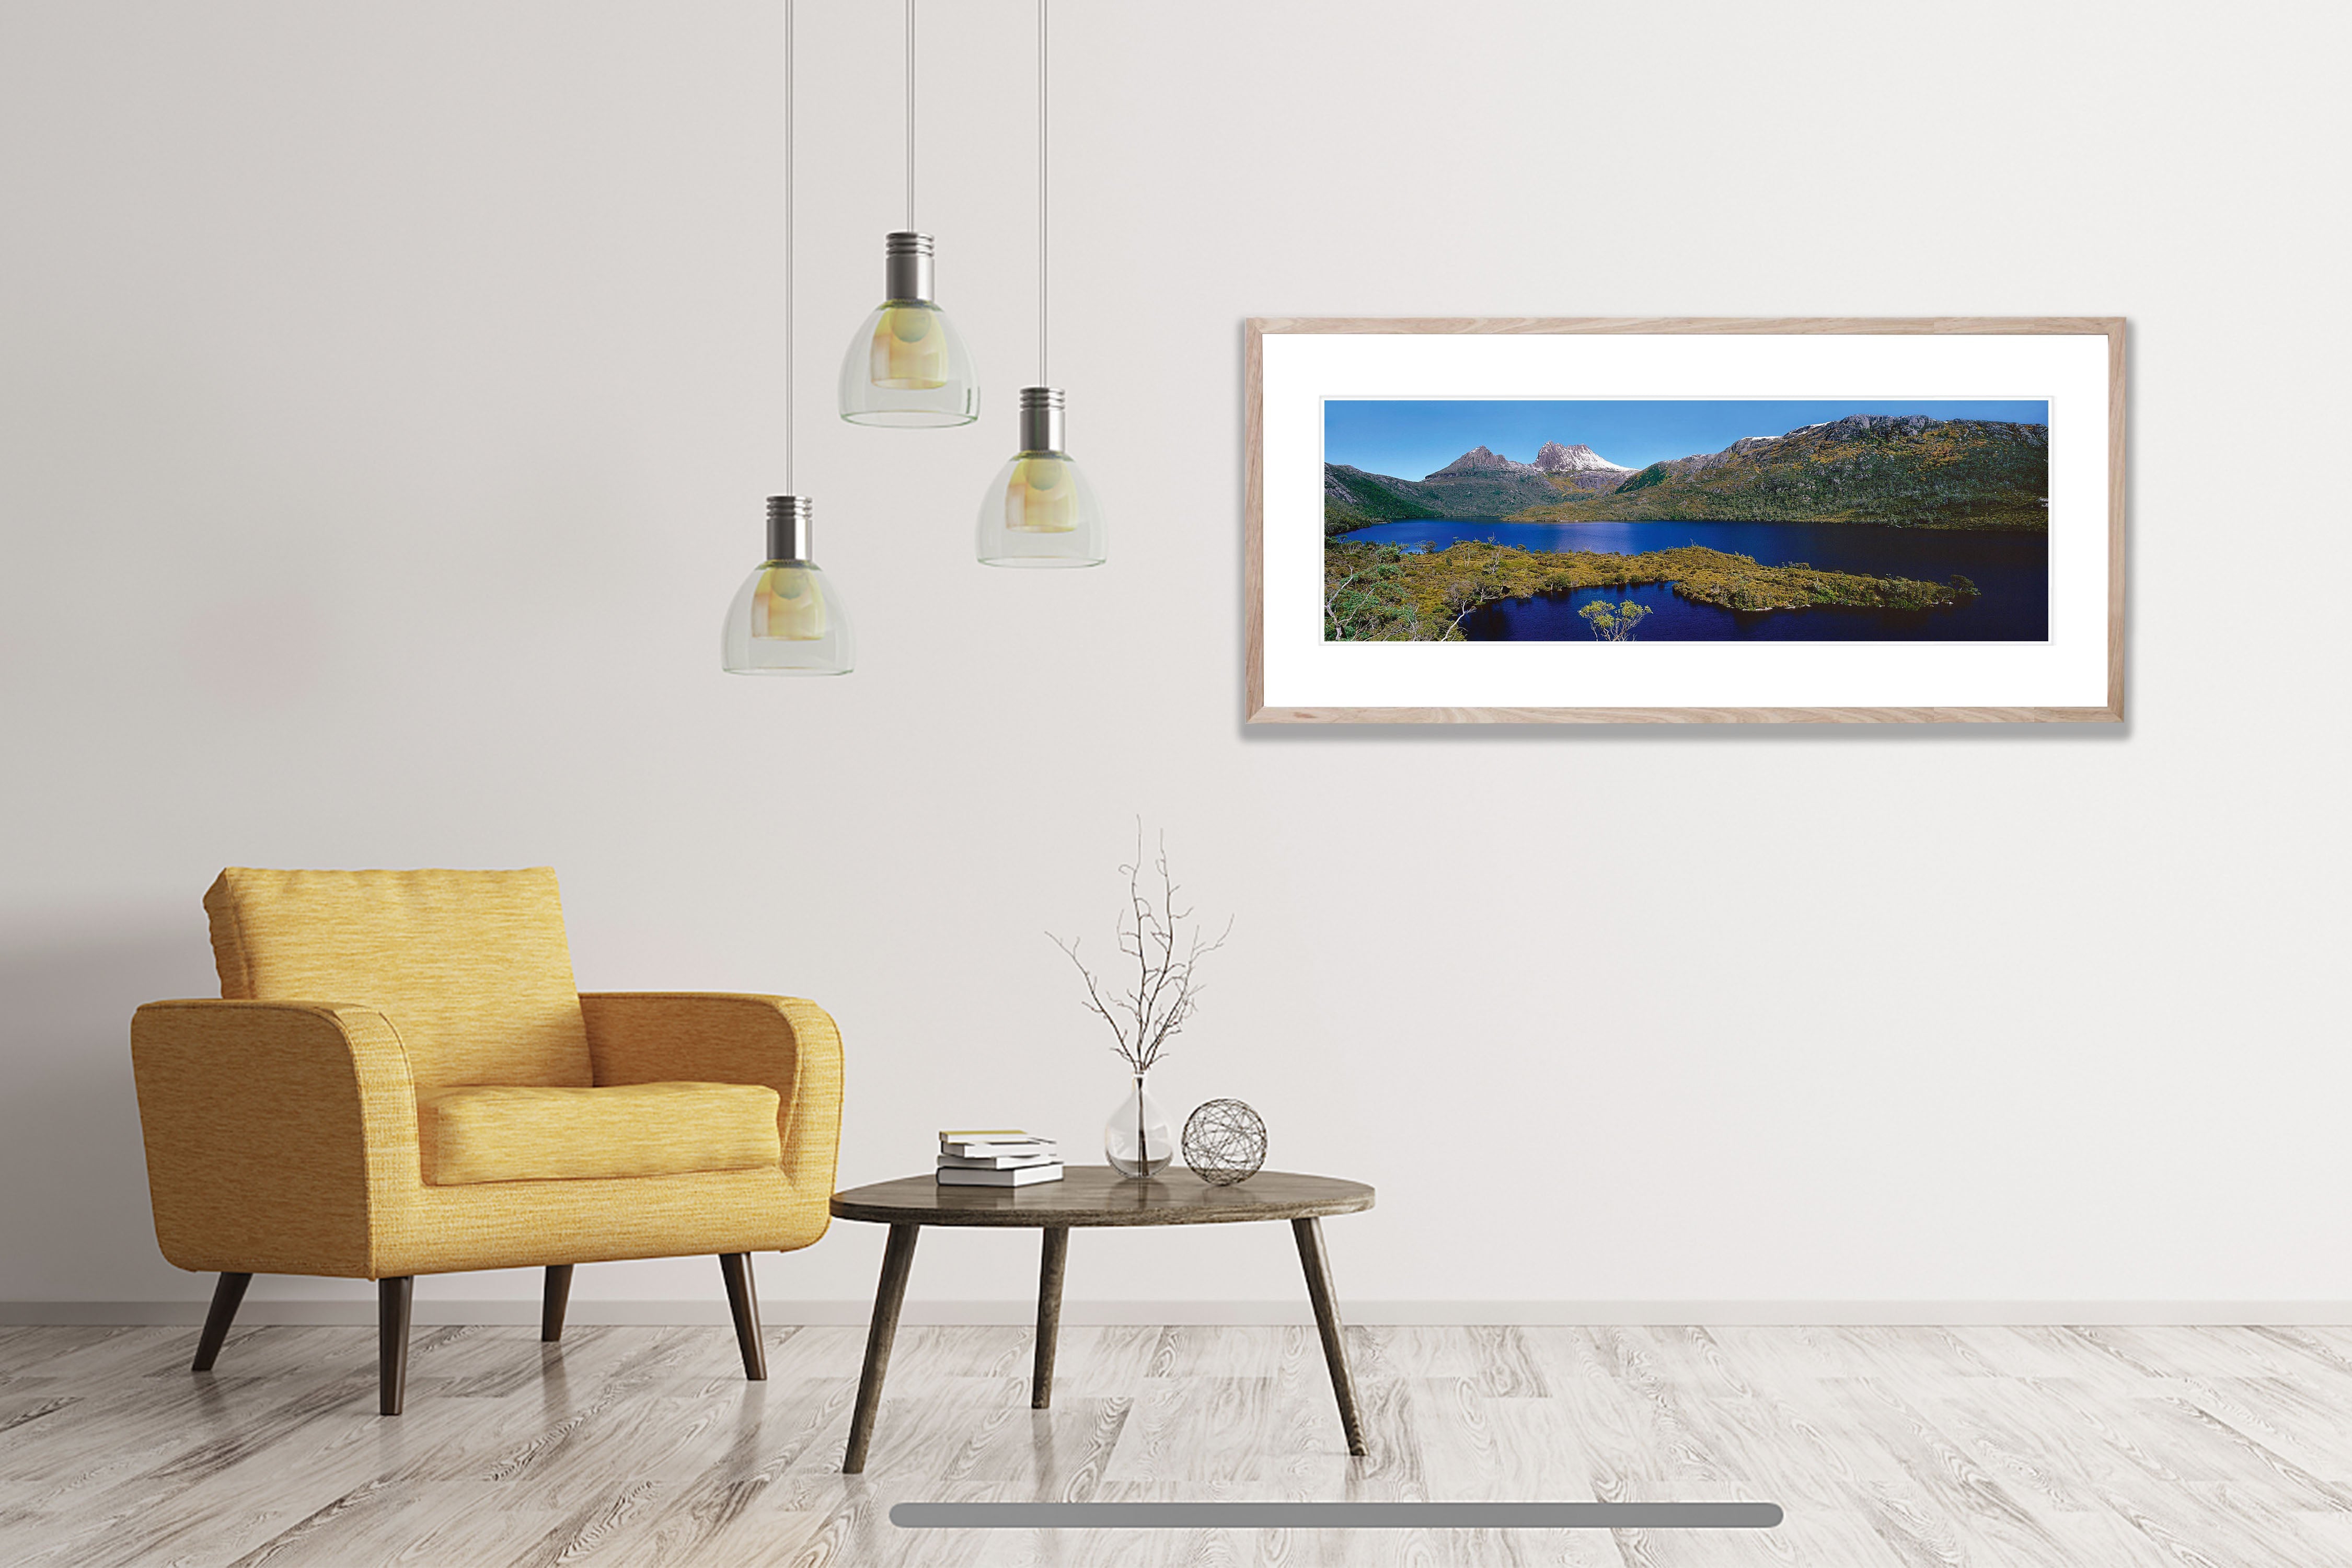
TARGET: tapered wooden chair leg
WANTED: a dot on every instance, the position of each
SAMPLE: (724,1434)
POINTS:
(553,1301)
(744,1300)
(392,1298)
(226,1296)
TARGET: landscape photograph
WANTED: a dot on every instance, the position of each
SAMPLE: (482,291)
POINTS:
(1673,520)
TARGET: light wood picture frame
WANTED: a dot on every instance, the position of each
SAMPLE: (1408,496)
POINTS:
(1880,647)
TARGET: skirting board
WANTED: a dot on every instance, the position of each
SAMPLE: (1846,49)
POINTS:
(360,1310)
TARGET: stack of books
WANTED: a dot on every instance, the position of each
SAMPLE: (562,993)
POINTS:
(997,1157)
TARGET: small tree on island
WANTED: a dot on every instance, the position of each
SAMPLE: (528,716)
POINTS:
(1462,597)
(1613,623)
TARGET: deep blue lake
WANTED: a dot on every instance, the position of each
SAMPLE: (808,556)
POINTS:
(2012,569)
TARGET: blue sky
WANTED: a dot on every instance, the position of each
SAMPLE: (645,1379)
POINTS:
(1410,439)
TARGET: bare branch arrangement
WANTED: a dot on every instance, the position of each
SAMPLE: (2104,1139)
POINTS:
(1151,931)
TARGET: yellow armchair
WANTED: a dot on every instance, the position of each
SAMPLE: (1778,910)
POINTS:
(464,1108)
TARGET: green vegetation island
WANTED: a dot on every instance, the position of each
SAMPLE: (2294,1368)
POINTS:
(1374,593)
(1893,470)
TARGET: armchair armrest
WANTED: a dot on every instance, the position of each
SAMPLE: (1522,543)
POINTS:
(273,1131)
(788,1044)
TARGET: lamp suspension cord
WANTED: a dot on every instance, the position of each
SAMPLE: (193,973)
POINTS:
(788,250)
(910,114)
(1042,24)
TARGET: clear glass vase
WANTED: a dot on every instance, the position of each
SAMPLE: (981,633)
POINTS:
(1137,1140)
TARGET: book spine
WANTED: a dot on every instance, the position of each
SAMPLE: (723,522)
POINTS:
(1025,1175)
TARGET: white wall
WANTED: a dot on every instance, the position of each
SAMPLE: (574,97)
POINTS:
(387,395)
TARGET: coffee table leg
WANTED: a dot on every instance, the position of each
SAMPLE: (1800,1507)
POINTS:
(1309,1232)
(1056,1251)
(898,1258)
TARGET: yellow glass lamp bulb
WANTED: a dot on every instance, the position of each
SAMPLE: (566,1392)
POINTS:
(910,352)
(788,606)
(1042,497)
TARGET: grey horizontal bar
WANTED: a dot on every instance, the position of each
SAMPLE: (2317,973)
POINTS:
(1335,1515)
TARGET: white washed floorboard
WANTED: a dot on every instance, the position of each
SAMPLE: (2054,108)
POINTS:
(1102,1363)
(2077,1448)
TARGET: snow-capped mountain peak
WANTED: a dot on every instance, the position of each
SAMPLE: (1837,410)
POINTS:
(1555,459)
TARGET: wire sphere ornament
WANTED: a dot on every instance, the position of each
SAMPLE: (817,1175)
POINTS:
(1224,1142)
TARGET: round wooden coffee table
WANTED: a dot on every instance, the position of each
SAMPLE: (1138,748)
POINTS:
(1091,1195)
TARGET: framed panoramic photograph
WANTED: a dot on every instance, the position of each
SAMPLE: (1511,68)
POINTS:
(1689,520)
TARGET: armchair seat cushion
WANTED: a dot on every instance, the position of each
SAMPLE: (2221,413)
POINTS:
(543,1134)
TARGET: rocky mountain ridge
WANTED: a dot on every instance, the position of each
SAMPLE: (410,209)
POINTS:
(1481,462)
(1907,470)
(1912,469)
(1551,457)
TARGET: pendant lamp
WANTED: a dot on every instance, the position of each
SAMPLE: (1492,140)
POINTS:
(1039,511)
(786,619)
(907,365)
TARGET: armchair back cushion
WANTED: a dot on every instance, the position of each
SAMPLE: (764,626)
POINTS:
(469,968)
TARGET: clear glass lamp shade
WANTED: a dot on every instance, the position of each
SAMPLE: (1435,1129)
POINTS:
(787,620)
(908,366)
(1041,512)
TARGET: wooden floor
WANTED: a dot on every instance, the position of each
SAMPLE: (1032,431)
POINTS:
(1999,1447)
